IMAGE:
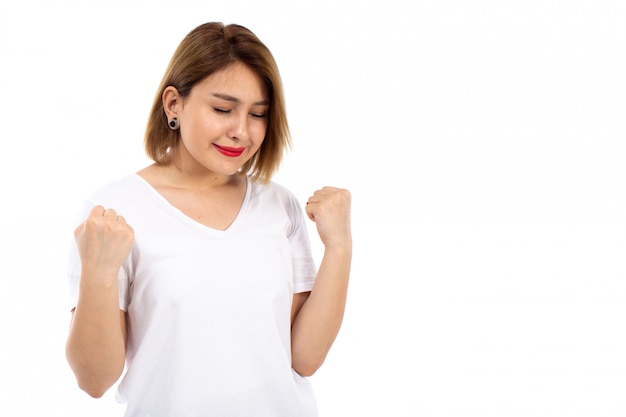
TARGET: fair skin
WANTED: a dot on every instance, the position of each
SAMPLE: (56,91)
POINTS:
(223,123)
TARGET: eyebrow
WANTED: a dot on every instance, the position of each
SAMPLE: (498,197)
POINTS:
(236,100)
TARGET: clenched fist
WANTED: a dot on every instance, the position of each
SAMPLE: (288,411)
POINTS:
(104,241)
(329,208)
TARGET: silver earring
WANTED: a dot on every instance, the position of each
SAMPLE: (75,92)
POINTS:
(173,124)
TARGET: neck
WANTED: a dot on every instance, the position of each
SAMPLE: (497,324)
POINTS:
(201,180)
(185,172)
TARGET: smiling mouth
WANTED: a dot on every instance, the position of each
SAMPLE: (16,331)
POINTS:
(228,151)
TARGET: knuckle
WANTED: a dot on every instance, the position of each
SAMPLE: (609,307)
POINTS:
(91,222)
(345,194)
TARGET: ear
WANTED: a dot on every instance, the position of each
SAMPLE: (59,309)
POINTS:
(172,102)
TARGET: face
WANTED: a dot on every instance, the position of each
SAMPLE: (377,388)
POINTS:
(223,120)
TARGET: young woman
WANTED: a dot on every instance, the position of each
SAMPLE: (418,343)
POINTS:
(195,274)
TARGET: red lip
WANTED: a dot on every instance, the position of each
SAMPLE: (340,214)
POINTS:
(228,151)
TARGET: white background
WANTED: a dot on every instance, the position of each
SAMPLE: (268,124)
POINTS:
(484,143)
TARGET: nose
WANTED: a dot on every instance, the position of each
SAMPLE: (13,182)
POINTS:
(239,128)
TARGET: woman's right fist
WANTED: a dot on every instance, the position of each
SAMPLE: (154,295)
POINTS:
(104,240)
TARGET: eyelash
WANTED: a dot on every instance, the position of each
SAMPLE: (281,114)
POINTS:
(257,116)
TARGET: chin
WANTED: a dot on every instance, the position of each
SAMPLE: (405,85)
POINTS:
(228,171)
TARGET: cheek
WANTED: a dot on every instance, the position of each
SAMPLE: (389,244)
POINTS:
(258,132)
(205,128)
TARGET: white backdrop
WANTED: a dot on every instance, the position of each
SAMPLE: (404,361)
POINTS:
(483,142)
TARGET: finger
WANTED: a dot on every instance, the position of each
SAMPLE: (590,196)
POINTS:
(326,190)
(109,213)
(79,230)
(309,212)
(97,211)
(320,194)
(121,219)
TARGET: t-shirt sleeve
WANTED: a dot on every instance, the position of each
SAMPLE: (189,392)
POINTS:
(304,270)
(74,268)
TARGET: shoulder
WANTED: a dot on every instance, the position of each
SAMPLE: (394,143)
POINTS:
(276,192)
(118,189)
(116,195)
(126,195)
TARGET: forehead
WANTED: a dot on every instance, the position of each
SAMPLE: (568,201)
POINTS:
(236,80)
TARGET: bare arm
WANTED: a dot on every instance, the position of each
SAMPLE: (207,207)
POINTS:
(96,349)
(96,345)
(318,315)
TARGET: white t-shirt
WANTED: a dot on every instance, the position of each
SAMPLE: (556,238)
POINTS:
(209,310)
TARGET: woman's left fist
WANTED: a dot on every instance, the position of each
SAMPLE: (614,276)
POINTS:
(329,208)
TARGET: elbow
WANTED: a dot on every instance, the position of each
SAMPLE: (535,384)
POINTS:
(94,393)
(93,385)
(93,380)
(306,368)
(306,360)
(306,372)
(93,390)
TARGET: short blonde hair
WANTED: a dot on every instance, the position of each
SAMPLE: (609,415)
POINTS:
(207,49)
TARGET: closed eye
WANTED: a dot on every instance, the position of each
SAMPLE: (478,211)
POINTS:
(259,116)
(219,110)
